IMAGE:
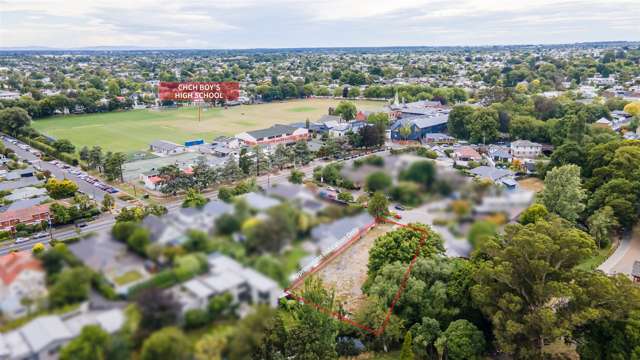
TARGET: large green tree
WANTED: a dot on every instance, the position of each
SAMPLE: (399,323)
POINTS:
(563,193)
(525,285)
(168,343)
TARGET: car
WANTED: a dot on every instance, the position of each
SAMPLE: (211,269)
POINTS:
(21,240)
(400,207)
(81,224)
(397,216)
(39,235)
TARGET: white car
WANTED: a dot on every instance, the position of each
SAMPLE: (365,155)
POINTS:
(21,240)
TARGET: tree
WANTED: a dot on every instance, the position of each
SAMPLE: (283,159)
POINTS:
(95,159)
(168,343)
(231,171)
(533,213)
(92,344)
(518,288)
(601,224)
(400,245)
(461,341)
(113,165)
(60,189)
(63,146)
(71,286)
(210,347)
(249,332)
(424,335)
(345,196)
(404,131)
(107,202)
(459,120)
(484,126)
(194,199)
(378,205)
(481,231)
(420,172)
(139,239)
(14,120)
(563,193)
(346,109)
(84,153)
(633,108)
(406,353)
(122,230)
(157,310)
(377,181)
(296,177)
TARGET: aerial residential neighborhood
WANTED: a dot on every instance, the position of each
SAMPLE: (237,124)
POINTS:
(338,180)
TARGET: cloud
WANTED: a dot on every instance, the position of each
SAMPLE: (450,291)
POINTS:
(290,23)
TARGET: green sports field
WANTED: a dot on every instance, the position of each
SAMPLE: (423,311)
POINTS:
(133,130)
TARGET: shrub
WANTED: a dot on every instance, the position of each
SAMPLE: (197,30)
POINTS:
(196,318)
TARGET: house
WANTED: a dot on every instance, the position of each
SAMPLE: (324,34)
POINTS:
(525,149)
(635,271)
(494,174)
(259,202)
(418,127)
(19,183)
(604,123)
(28,216)
(227,276)
(163,147)
(171,229)
(439,139)
(325,236)
(151,180)
(298,195)
(511,203)
(499,153)
(339,130)
(466,153)
(21,277)
(43,337)
(25,193)
(277,134)
(20,173)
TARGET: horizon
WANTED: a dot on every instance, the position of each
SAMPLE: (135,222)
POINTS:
(142,48)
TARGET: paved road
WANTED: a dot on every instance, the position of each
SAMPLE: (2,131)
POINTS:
(104,223)
(621,261)
(59,173)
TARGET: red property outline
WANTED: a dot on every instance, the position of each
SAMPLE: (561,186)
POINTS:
(403,284)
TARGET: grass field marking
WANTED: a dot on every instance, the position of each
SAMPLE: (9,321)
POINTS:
(341,317)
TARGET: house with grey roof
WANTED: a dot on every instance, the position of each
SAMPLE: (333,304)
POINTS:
(497,175)
(171,229)
(26,193)
(525,149)
(324,236)
(419,127)
(276,134)
(43,337)
(246,286)
(164,147)
(298,195)
(19,183)
(260,202)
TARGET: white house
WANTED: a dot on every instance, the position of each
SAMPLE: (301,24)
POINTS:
(525,149)
(226,275)
(21,277)
(277,134)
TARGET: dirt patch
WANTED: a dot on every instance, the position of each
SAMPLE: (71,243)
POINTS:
(531,184)
(346,273)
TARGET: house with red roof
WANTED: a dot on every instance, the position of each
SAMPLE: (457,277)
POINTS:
(21,277)
(28,216)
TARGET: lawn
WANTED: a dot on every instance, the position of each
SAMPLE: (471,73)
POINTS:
(127,278)
(130,131)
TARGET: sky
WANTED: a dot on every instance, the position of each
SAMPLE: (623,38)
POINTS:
(235,24)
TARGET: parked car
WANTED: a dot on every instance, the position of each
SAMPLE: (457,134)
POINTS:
(21,240)
(400,207)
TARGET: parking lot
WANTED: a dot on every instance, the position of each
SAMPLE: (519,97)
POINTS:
(86,183)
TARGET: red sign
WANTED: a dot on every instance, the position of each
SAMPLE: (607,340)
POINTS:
(198,91)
